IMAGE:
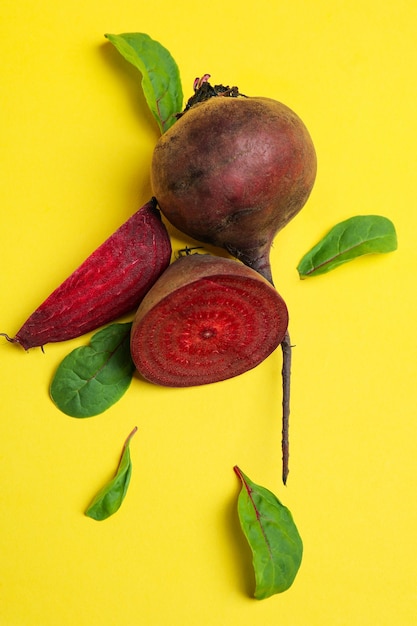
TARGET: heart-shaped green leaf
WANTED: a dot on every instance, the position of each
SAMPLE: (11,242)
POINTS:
(362,234)
(273,537)
(161,82)
(92,378)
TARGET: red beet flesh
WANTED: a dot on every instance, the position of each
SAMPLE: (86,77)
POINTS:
(206,319)
(232,172)
(110,282)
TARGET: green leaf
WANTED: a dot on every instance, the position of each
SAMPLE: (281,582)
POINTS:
(92,378)
(161,82)
(109,499)
(273,537)
(362,234)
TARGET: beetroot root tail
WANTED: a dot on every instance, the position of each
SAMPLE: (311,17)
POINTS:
(286,383)
(9,339)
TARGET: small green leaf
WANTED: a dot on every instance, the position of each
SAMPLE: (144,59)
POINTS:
(273,537)
(362,234)
(161,82)
(92,378)
(109,499)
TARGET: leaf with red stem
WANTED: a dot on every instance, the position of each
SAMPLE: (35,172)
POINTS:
(109,499)
(272,535)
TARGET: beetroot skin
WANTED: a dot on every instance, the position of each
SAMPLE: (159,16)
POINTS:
(232,172)
(110,282)
(206,319)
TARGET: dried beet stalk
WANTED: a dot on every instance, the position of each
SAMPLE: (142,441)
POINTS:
(111,282)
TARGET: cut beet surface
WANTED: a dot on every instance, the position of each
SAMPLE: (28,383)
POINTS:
(206,319)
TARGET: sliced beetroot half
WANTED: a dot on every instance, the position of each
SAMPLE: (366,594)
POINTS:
(110,282)
(206,319)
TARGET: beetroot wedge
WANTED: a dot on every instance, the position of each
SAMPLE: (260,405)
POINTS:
(206,319)
(109,283)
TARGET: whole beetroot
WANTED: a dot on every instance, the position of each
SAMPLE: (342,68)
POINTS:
(233,171)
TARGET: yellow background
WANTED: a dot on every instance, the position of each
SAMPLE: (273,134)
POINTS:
(76,143)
